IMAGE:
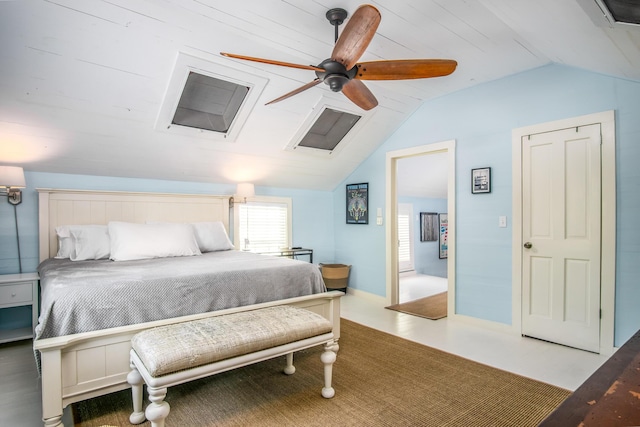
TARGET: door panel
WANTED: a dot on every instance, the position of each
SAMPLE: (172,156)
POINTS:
(562,222)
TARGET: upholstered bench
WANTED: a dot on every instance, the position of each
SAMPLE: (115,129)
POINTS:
(174,354)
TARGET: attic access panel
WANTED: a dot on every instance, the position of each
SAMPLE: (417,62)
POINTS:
(627,11)
(621,14)
(329,129)
(208,98)
(209,103)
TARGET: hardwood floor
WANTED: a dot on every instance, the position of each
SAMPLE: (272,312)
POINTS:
(415,286)
(20,401)
(20,393)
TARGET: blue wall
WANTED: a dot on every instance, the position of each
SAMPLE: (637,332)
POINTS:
(481,120)
(426,255)
(309,207)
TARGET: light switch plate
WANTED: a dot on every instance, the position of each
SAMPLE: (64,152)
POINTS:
(502,221)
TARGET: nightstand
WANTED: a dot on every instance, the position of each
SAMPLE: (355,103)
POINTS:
(17,290)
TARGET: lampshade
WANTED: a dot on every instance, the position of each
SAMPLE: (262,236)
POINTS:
(12,177)
(245,189)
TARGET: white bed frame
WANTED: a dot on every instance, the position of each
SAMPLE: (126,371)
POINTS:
(82,366)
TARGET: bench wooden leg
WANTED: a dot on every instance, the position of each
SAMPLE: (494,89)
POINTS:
(289,369)
(328,357)
(53,421)
(135,379)
(158,410)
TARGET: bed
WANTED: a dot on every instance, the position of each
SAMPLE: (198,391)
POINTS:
(83,336)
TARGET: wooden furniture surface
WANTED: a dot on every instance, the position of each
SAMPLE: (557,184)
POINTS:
(19,290)
(81,366)
(610,397)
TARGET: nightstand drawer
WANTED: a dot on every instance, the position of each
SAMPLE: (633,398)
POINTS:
(17,293)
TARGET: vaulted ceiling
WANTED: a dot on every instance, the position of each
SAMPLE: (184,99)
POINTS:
(84,84)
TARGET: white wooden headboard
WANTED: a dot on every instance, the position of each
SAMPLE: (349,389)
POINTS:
(81,207)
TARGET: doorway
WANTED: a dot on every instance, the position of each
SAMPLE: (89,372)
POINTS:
(564,268)
(446,148)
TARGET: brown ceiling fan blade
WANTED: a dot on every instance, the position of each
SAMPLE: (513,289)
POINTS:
(356,36)
(296,91)
(272,62)
(359,94)
(405,69)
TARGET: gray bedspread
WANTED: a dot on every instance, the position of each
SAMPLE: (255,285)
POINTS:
(82,296)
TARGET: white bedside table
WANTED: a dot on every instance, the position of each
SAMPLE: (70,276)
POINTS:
(18,290)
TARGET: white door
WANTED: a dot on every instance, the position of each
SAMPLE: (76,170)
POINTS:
(561,224)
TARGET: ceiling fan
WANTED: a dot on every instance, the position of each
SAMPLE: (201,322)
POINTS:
(343,72)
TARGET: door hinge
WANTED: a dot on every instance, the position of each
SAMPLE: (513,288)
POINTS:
(601,313)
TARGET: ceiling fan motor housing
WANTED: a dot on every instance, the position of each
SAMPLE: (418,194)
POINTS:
(335,74)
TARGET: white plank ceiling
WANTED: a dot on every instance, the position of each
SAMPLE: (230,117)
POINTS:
(82,82)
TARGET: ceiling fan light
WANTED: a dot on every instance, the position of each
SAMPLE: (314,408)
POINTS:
(336,81)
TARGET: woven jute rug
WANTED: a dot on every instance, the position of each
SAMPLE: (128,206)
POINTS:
(433,307)
(380,380)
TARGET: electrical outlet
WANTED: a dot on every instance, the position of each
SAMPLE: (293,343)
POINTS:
(379,220)
(502,221)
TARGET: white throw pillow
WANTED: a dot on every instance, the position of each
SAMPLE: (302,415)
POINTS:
(65,244)
(90,242)
(212,236)
(130,241)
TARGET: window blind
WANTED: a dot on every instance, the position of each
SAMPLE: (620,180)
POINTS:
(404,248)
(263,226)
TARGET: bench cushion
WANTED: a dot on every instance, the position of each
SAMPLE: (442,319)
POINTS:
(186,345)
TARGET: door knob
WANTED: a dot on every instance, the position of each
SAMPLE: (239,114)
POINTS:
(528,245)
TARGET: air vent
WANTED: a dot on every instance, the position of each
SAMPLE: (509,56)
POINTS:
(326,130)
(208,98)
(209,103)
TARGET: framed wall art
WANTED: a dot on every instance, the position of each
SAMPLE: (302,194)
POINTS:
(481,180)
(358,203)
(428,226)
(443,237)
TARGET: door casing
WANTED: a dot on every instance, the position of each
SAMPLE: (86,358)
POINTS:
(607,275)
(391,212)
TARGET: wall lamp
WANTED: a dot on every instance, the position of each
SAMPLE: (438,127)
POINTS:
(11,181)
(244,190)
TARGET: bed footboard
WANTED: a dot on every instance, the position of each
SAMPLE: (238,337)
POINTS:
(82,366)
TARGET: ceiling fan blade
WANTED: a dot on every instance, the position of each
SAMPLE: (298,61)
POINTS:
(356,36)
(296,91)
(359,94)
(272,62)
(405,69)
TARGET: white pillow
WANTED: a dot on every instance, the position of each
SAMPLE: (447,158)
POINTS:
(65,244)
(212,236)
(131,241)
(90,242)
(82,242)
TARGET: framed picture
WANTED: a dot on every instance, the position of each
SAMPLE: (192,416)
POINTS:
(358,203)
(428,226)
(481,180)
(443,237)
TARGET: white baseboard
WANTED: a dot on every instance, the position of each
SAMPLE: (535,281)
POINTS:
(377,299)
(485,324)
